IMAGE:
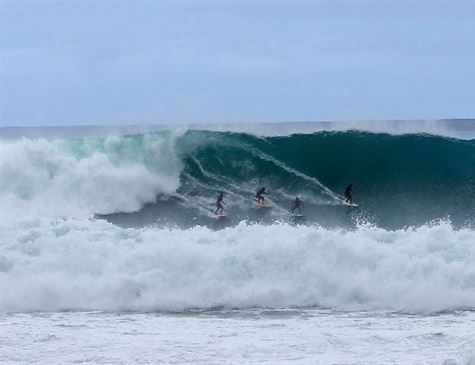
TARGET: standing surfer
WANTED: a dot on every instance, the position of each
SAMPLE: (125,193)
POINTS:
(348,194)
(219,204)
(260,193)
(297,204)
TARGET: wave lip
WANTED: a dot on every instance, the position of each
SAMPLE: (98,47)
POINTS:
(454,128)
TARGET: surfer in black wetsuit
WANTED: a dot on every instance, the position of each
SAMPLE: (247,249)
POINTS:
(260,193)
(219,204)
(297,204)
(348,194)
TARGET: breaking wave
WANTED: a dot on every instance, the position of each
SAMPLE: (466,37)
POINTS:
(123,223)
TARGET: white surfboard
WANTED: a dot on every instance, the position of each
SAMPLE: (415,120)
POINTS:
(350,204)
(296,215)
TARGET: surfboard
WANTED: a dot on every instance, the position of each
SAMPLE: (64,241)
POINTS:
(296,215)
(218,216)
(263,205)
(350,204)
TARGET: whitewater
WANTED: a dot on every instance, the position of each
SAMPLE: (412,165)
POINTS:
(107,241)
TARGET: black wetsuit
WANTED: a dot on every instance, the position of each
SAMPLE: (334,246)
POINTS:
(348,192)
(219,203)
(260,198)
(297,204)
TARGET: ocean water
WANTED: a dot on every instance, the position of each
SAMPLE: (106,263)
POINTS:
(109,251)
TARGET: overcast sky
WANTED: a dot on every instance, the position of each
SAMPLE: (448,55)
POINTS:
(149,62)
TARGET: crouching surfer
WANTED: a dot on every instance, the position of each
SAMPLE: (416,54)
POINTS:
(260,195)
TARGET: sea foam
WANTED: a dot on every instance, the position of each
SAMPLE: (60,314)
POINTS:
(94,265)
(78,178)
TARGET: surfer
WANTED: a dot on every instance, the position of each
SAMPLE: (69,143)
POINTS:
(297,204)
(348,194)
(260,193)
(219,204)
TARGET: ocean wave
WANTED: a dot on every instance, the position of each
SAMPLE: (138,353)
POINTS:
(95,265)
(174,177)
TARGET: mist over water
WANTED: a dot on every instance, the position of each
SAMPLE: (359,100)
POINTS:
(125,222)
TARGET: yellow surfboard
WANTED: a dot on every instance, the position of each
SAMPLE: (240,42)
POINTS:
(263,205)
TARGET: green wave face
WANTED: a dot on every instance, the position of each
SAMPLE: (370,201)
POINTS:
(398,180)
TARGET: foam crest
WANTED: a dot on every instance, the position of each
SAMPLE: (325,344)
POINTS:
(80,177)
(94,265)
